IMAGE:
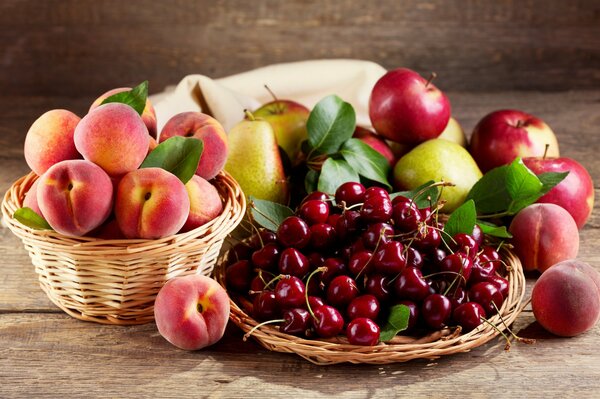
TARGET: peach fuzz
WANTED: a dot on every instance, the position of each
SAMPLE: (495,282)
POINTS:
(544,234)
(30,200)
(191,312)
(75,196)
(148,114)
(114,137)
(50,140)
(151,203)
(205,203)
(205,128)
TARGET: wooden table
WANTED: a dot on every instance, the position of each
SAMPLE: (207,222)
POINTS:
(45,353)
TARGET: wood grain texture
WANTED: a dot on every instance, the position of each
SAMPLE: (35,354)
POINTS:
(76,47)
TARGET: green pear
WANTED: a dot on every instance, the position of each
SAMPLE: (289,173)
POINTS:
(454,132)
(438,160)
(254,161)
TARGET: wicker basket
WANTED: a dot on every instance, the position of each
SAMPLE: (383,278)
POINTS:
(401,348)
(116,281)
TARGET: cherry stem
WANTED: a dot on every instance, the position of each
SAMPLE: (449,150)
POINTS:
(515,336)
(276,278)
(431,77)
(249,115)
(546,151)
(507,346)
(256,327)
(317,270)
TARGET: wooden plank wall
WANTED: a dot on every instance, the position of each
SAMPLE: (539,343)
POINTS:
(82,47)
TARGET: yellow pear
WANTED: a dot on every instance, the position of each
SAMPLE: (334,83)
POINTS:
(454,132)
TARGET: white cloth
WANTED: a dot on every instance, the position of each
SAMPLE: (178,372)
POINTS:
(306,82)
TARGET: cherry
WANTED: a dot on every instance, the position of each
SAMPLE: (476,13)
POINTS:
(377,233)
(363,306)
(314,301)
(489,255)
(469,315)
(341,291)
(314,211)
(290,292)
(328,321)
(238,276)
(239,251)
(351,193)
(315,259)
(436,310)
(376,192)
(262,238)
(267,257)
(427,237)
(462,242)
(459,266)
(322,236)
(376,208)
(458,297)
(413,257)
(389,259)
(314,287)
(293,232)
(405,214)
(413,317)
(482,269)
(359,263)
(487,294)
(257,285)
(297,321)
(335,267)
(316,195)
(293,262)
(362,331)
(411,285)
(266,306)
(333,218)
(378,285)
(347,224)
(501,283)
(426,215)
(436,255)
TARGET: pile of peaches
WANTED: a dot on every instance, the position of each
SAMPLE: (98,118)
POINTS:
(92,181)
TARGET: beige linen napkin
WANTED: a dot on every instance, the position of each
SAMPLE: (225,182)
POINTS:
(306,82)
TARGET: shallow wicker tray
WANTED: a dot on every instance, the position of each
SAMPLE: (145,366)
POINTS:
(401,348)
(116,281)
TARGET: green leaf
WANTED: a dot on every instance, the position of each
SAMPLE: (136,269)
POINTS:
(29,218)
(330,124)
(490,193)
(334,173)
(311,180)
(397,322)
(491,229)
(550,179)
(267,213)
(521,182)
(462,220)
(178,155)
(424,192)
(368,162)
(135,98)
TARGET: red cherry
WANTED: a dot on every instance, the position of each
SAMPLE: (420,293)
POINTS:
(341,291)
(359,263)
(263,238)
(363,306)
(347,225)
(469,315)
(376,192)
(267,257)
(297,321)
(377,233)
(290,292)
(266,306)
(322,236)
(362,331)
(465,243)
(294,263)
(413,258)
(405,214)
(458,266)
(335,267)
(328,321)
(378,285)
(351,193)
(436,311)
(293,232)
(238,276)
(413,315)
(487,295)
(411,285)
(257,285)
(315,301)
(427,238)
(389,259)
(240,251)
(376,209)
(482,269)
(314,211)
(316,195)
(458,297)
(501,283)
(333,218)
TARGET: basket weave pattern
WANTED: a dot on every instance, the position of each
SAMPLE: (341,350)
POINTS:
(401,348)
(116,281)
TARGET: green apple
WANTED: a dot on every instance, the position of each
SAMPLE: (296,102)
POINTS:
(288,119)
(454,132)
(438,160)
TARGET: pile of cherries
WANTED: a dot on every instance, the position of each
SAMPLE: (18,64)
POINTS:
(341,263)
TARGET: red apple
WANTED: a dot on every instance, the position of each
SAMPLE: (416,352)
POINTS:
(374,141)
(575,193)
(406,108)
(501,136)
(191,312)
(288,120)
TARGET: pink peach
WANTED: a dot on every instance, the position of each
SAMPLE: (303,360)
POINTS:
(30,200)
(205,203)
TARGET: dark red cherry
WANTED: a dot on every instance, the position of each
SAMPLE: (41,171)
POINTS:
(469,315)
(436,255)
(257,285)
(316,195)
(436,311)
(413,257)
(457,266)
(457,296)
(489,255)
(427,215)
(347,225)
(405,214)
(378,285)
(488,295)
(427,238)
(362,331)
(482,269)
(464,243)
(294,263)
(240,251)
(377,233)
(351,193)
(359,263)
(376,209)
(328,321)
(266,306)
(411,285)
(376,192)
(315,302)
(363,306)
(314,211)
(267,257)
(238,276)
(263,238)
(335,267)
(501,283)
(389,258)
(333,218)
(315,287)
(341,291)
(293,232)
(322,236)
(315,259)
(290,292)
(297,321)
(413,317)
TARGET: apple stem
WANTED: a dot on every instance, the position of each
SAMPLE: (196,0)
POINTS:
(431,77)
(520,124)
(546,151)
(249,115)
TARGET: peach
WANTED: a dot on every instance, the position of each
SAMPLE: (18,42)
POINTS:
(205,203)
(50,140)
(205,128)
(191,312)
(544,234)
(151,203)
(566,298)
(152,144)
(114,137)
(148,115)
(30,200)
(75,196)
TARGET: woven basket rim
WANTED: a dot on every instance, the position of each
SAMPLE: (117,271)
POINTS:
(401,348)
